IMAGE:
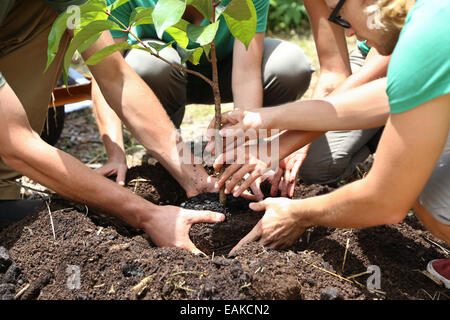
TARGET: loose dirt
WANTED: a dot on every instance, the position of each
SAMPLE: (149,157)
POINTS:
(93,256)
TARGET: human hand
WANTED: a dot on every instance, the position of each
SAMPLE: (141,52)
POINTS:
(116,165)
(278,228)
(201,182)
(244,163)
(285,177)
(235,123)
(170,225)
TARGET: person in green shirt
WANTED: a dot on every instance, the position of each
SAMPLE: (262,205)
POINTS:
(25,92)
(270,72)
(412,164)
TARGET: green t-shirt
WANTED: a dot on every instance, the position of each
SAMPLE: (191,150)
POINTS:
(59,5)
(362,45)
(224,39)
(419,70)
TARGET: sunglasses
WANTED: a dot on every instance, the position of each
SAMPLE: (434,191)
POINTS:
(335,17)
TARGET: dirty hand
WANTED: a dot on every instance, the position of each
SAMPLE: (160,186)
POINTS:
(115,166)
(170,225)
(285,177)
(278,228)
(235,123)
(243,163)
(201,182)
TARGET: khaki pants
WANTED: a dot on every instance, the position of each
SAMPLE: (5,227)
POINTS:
(23,57)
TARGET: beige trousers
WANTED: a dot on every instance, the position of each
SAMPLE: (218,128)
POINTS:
(23,57)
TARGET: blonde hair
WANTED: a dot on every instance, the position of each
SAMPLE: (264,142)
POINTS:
(389,13)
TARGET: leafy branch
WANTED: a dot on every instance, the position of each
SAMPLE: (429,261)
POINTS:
(95,17)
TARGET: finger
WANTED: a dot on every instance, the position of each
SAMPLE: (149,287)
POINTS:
(229,171)
(204,216)
(295,170)
(258,206)
(291,189)
(104,170)
(237,176)
(231,131)
(275,182)
(193,249)
(256,188)
(249,196)
(121,174)
(284,187)
(247,183)
(253,235)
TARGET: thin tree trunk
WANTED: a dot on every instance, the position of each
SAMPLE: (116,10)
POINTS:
(218,110)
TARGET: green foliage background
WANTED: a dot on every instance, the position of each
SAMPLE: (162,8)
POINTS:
(286,16)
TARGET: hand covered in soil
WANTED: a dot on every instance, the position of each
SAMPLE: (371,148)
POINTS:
(278,228)
(202,183)
(115,166)
(285,177)
(170,225)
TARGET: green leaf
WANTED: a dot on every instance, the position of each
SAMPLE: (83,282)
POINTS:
(178,33)
(54,38)
(154,45)
(202,35)
(116,4)
(193,55)
(240,16)
(91,10)
(87,34)
(207,50)
(106,51)
(166,14)
(203,6)
(141,15)
(219,10)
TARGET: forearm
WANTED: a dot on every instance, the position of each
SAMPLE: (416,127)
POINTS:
(64,174)
(375,67)
(329,39)
(109,124)
(292,140)
(364,107)
(246,77)
(351,206)
(140,110)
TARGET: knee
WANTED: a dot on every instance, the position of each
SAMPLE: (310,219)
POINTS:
(287,67)
(153,70)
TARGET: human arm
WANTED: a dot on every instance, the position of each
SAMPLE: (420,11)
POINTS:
(331,48)
(360,108)
(138,107)
(23,150)
(375,67)
(384,196)
(246,73)
(110,128)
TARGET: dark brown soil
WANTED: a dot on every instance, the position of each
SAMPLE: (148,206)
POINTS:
(118,262)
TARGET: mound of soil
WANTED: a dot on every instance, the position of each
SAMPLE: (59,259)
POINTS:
(93,256)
